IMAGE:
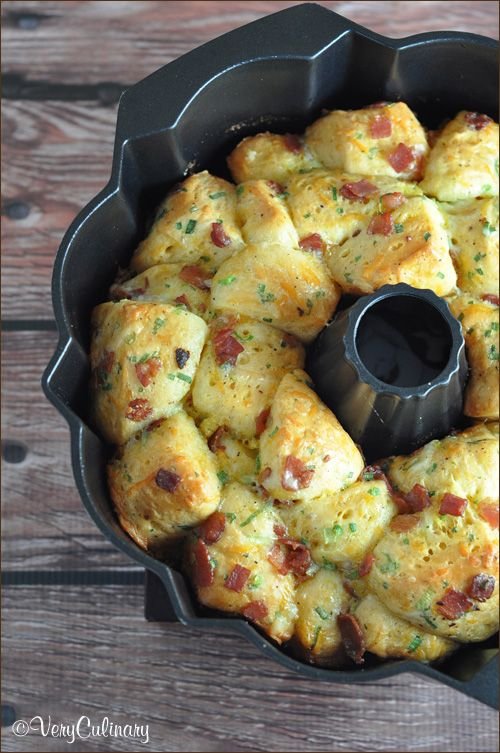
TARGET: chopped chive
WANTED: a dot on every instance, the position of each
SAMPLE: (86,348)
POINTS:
(321,612)
(414,644)
(190,227)
(223,477)
(227,280)
(217,195)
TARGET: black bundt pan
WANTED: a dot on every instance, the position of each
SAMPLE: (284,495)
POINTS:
(276,73)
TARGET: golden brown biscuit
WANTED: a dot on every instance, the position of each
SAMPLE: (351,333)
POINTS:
(380,140)
(178,284)
(196,222)
(408,245)
(320,600)
(304,451)
(324,202)
(143,359)
(163,482)
(463,163)
(433,572)
(480,325)
(240,370)
(392,637)
(234,572)
(343,527)
(472,228)
(269,156)
(286,287)
(263,215)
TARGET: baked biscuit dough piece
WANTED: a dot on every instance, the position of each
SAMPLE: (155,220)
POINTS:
(414,251)
(463,163)
(263,214)
(480,325)
(283,286)
(259,589)
(342,528)
(270,156)
(196,221)
(464,464)
(426,573)
(240,370)
(379,140)
(304,451)
(168,283)
(143,358)
(318,202)
(163,481)
(320,600)
(392,637)
(472,228)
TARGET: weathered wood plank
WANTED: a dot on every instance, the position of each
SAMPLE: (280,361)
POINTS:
(79,651)
(58,155)
(45,524)
(122,42)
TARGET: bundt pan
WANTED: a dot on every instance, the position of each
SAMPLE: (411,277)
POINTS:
(276,73)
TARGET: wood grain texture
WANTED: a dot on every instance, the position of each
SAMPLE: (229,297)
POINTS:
(90,652)
(45,524)
(136,38)
(57,154)
(73,650)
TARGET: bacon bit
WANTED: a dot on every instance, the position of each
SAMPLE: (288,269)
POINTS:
(481,587)
(452,505)
(147,371)
(295,475)
(401,158)
(313,242)
(348,588)
(275,187)
(215,439)
(155,424)
(359,190)
(261,421)
(213,527)
(298,558)
(182,300)
(277,558)
(264,474)
(376,105)
(401,503)
(490,298)
(489,513)
(237,578)
(418,498)
(218,236)
(255,611)
(403,523)
(196,276)
(227,348)
(181,357)
(477,121)
(203,571)
(392,200)
(352,637)
(381,224)
(366,565)
(380,127)
(167,480)
(280,530)
(454,604)
(289,340)
(138,410)
(107,361)
(292,143)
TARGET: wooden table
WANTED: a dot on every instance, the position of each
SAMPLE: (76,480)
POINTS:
(75,639)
